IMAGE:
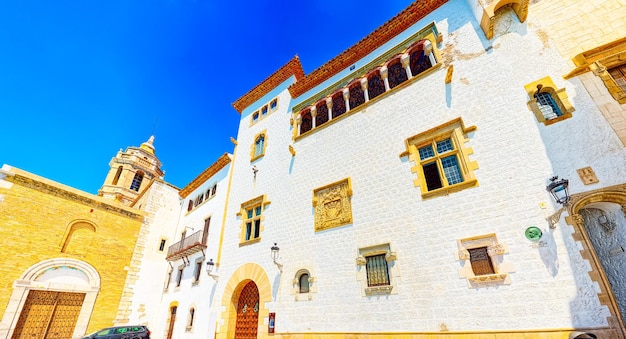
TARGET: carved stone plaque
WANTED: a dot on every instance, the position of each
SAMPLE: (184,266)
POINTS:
(587,175)
(332,205)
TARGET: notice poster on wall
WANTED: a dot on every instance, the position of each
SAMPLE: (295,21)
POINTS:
(270,323)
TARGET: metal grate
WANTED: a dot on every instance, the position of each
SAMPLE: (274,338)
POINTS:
(377,272)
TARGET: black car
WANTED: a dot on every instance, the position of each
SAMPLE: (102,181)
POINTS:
(121,332)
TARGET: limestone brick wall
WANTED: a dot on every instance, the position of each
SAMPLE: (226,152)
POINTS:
(550,286)
(35,214)
(577,26)
(146,278)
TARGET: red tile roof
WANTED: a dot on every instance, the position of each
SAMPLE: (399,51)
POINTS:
(293,67)
(416,11)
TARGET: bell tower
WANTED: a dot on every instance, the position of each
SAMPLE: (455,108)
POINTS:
(131,172)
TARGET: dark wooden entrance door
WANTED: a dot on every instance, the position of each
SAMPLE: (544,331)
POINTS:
(247,312)
(49,315)
(170,328)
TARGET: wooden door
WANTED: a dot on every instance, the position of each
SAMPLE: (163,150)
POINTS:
(49,315)
(247,312)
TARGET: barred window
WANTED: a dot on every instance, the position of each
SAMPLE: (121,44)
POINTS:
(377,270)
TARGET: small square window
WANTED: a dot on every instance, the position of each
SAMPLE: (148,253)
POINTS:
(480,260)
(162,245)
(274,104)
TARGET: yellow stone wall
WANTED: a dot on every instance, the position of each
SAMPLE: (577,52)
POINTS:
(35,216)
(577,26)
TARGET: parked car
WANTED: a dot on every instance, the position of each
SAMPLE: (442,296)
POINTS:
(121,332)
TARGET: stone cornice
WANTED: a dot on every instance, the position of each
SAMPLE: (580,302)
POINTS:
(293,67)
(384,33)
(75,197)
(205,175)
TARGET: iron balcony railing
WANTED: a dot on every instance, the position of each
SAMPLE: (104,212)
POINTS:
(186,247)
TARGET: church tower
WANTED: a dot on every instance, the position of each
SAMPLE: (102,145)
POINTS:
(131,172)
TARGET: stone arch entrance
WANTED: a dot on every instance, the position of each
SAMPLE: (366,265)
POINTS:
(599,222)
(248,289)
(52,299)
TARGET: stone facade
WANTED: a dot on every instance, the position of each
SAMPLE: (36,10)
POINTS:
(57,238)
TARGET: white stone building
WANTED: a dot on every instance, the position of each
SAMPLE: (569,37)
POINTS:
(402,186)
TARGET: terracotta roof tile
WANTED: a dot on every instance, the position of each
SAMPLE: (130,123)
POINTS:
(416,11)
(205,175)
(293,67)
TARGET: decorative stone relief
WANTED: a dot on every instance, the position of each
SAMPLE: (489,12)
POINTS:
(587,175)
(332,205)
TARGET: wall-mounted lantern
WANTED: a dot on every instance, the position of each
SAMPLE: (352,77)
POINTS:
(210,265)
(559,190)
(275,249)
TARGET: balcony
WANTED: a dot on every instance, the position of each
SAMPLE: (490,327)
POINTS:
(186,247)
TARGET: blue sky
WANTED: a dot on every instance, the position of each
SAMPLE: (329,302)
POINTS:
(81,79)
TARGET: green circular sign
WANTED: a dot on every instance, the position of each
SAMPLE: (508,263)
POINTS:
(533,233)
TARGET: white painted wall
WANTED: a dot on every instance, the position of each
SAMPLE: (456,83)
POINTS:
(516,155)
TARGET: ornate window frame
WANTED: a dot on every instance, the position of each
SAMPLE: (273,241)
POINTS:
(332,205)
(456,131)
(599,60)
(392,270)
(295,288)
(253,148)
(495,250)
(261,202)
(546,85)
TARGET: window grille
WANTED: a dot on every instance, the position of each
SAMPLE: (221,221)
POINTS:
(377,270)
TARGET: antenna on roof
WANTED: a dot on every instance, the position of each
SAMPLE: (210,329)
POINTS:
(155,124)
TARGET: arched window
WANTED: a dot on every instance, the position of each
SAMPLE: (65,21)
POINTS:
(356,95)
(137,181)
(214,189)
(303,283)
(548,105)
(192,315)
(420,60)
(375,85)
(259,145)
(322,113)
(397,73)
(117,175)
(339,105)
(307,122)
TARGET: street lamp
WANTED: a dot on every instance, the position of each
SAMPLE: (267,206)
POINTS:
(210,265)
(275,250)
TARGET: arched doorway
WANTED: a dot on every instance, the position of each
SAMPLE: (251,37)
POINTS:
(234,293)
(598,218)
(56,298)
(247,312)
(606,226)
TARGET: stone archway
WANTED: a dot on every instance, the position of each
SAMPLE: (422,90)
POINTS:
(62,290)
(584,211)
(245,276)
